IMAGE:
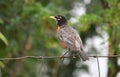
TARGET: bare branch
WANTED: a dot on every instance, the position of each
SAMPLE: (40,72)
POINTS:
(53,57)
(98,66)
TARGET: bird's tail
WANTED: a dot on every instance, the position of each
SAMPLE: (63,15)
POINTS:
(83,55)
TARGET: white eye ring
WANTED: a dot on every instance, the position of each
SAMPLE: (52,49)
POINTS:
(58,19)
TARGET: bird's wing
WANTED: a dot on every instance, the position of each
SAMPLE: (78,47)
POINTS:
(78,42)
(67,39)
(71,38)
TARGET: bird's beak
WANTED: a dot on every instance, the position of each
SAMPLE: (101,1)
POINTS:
(53,17)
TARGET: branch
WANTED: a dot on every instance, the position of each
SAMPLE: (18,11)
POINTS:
(109,56)
(105,4)
(98,66)
(0,73)
(53,57)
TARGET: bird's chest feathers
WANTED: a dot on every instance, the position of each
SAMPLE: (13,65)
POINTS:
(62,28)
(58,28)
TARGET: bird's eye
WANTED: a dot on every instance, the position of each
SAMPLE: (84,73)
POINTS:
(58,19)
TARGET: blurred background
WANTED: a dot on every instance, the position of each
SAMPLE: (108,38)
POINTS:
(27,30)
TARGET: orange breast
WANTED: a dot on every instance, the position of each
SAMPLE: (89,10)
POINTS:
(58,29)
(63,45)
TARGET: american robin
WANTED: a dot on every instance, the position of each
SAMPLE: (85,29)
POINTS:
(69,36)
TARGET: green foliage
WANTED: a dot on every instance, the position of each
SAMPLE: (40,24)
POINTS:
(1,21)
(107,19)
(30,31)
(3,38)
(89,19)
(1,64)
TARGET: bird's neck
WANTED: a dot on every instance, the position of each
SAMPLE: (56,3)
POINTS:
(61,23)
(62,26)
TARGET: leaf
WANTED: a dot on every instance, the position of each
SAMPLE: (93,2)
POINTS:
(1,64)
(1,21)
(3,38)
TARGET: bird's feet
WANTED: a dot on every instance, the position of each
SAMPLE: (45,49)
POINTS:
(62,57)
(74,55)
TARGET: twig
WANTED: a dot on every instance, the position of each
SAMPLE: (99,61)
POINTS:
(34,57)
(52,57)
(98,66)
(57,57)
(111,56)
(0,73)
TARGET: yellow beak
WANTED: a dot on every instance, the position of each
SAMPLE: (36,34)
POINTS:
(53,17)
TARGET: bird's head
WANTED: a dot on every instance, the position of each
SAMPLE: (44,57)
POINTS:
(61,20)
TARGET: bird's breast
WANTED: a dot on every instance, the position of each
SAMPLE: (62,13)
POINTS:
(58,28)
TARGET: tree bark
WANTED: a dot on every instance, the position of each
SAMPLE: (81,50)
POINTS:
(113,67)
(104,4)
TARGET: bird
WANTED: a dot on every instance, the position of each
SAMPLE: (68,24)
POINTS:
(69,37)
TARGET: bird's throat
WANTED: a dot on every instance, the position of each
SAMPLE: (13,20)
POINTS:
(58,28)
